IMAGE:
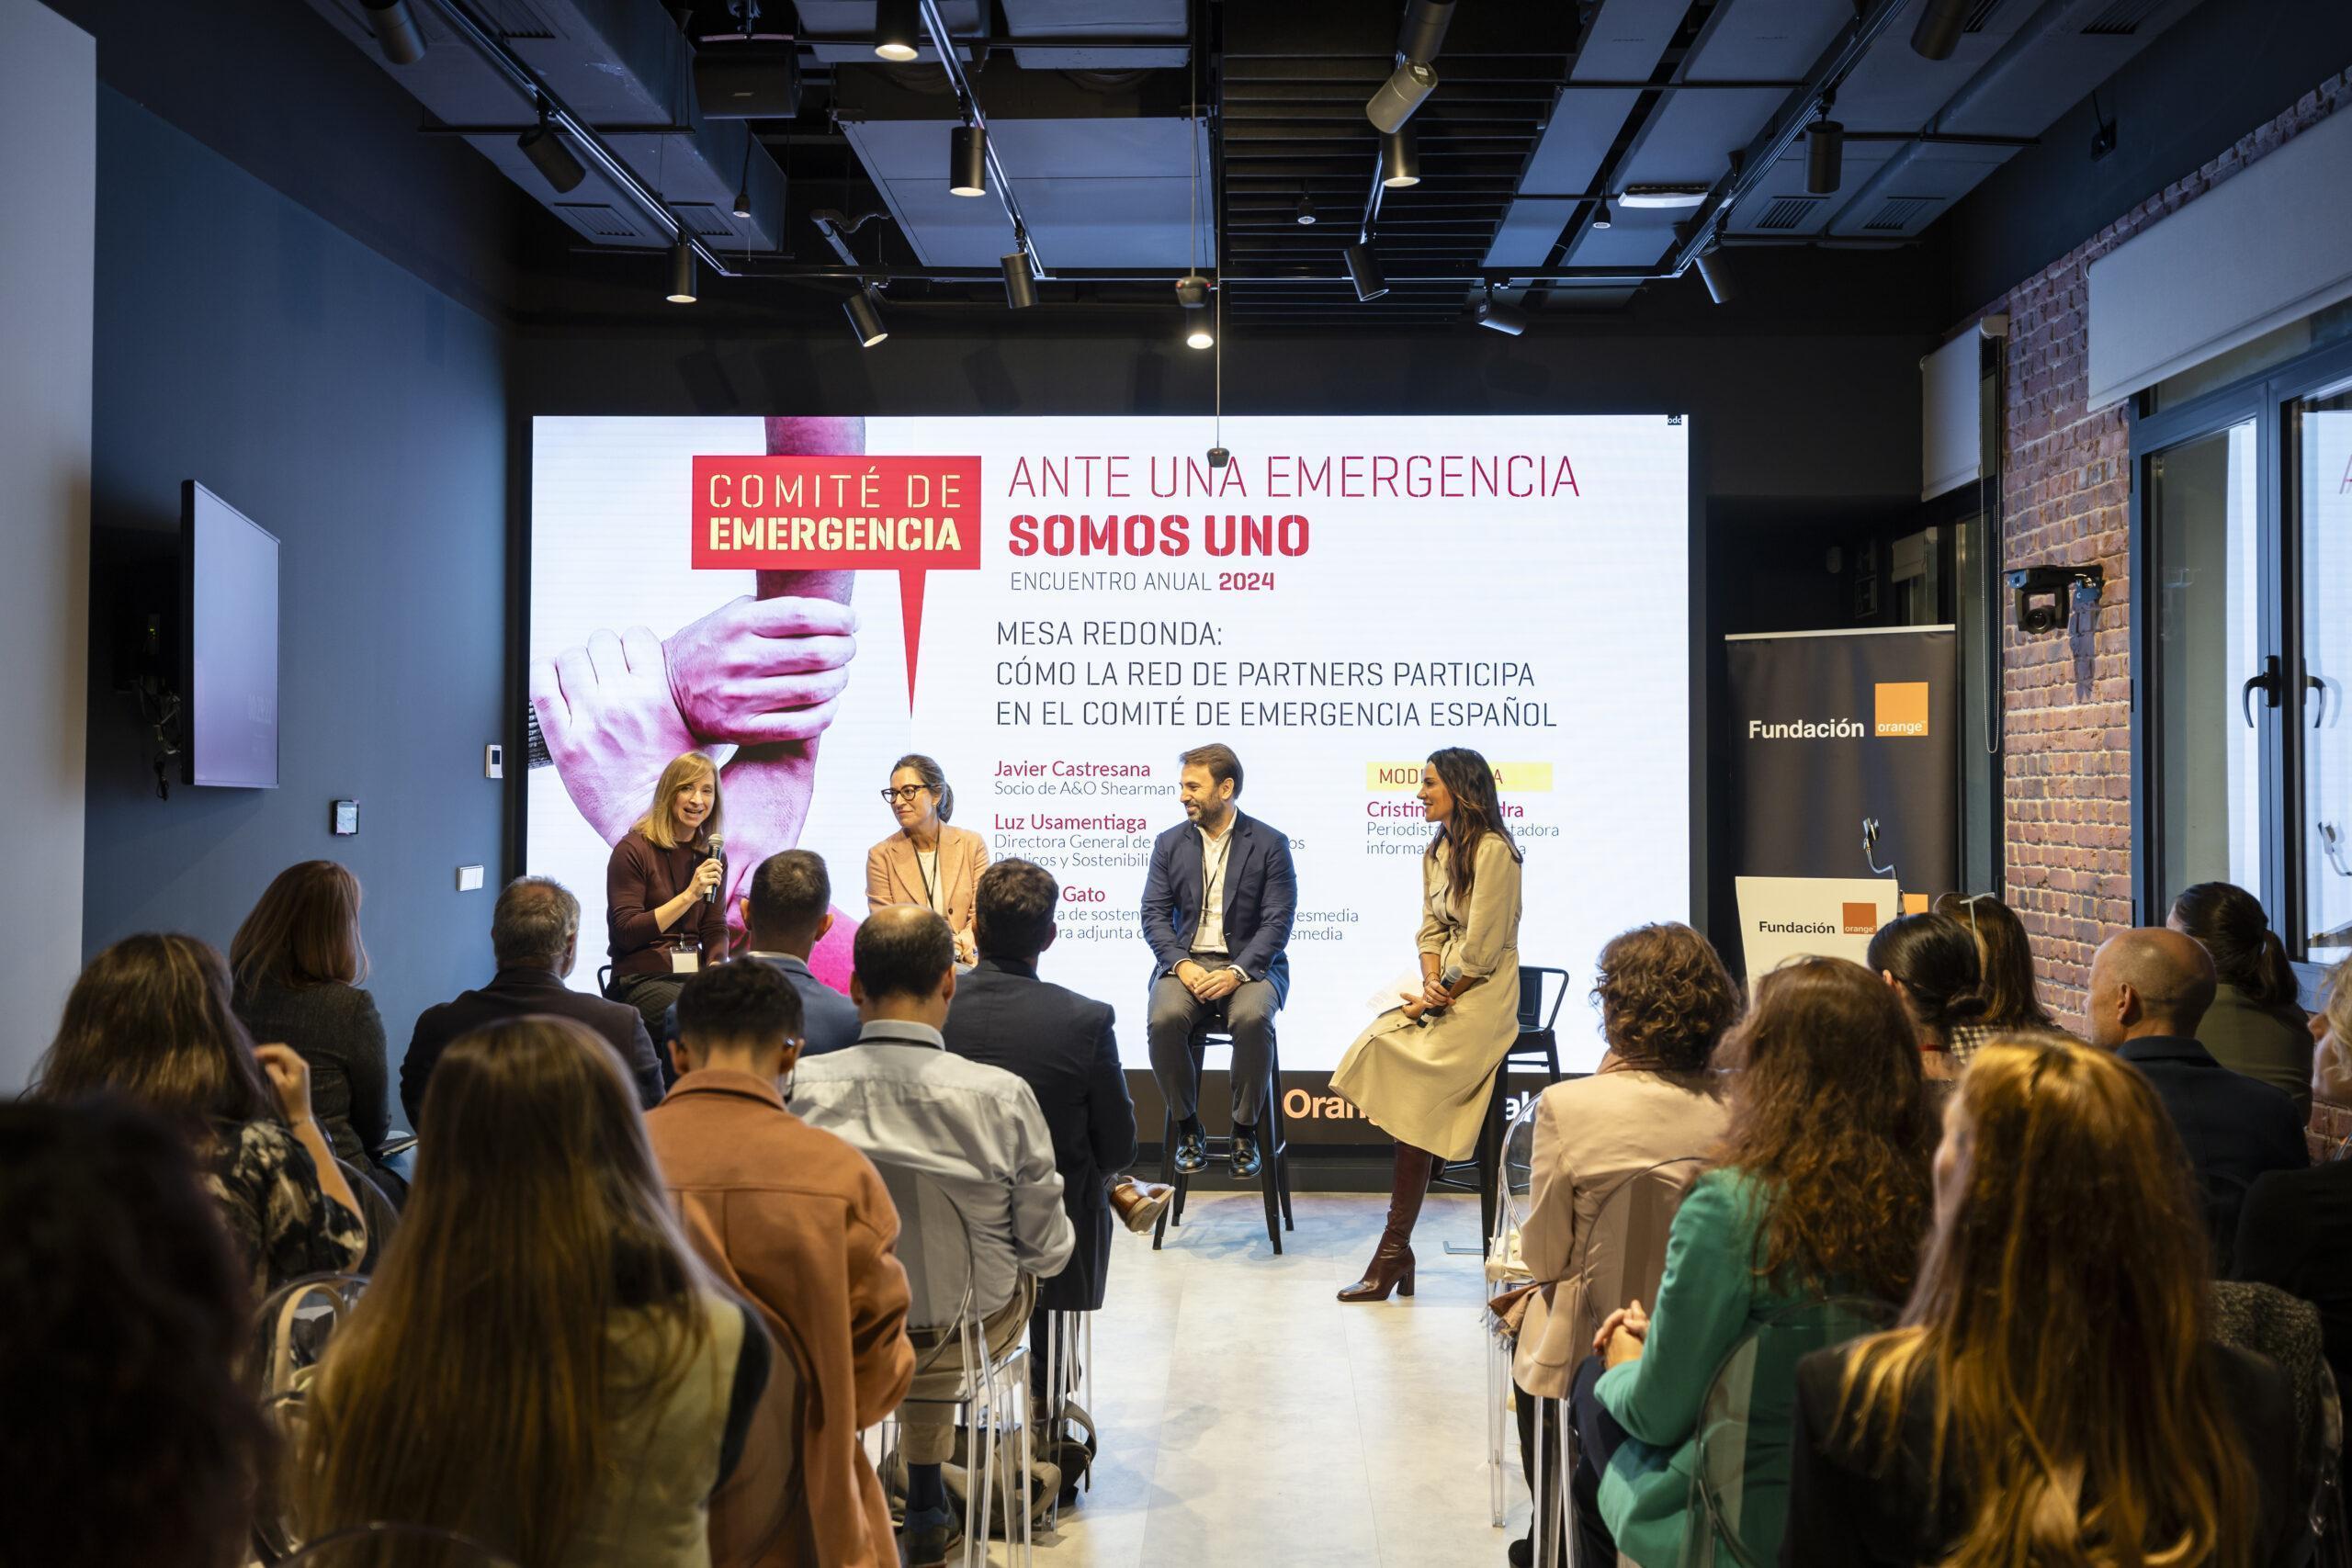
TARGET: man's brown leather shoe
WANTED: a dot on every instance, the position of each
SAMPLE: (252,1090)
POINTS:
(1139,1204)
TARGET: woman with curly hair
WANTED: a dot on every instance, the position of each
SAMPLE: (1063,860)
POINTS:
(1819,1190)
(1664,1001)
(2053,1394)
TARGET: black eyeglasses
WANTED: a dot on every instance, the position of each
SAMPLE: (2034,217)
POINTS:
(904,792)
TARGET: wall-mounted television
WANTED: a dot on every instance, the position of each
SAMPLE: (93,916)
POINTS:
(227,643)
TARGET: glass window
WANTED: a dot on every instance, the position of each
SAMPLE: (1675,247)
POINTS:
(2320,429)
(2201,511)
(2272,348)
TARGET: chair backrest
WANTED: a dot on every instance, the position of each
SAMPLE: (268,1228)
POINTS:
(1532,1014)
(1621,1256)
(383,1544)
(291,1330)
(1740,1472)
(935,1248)
(1516,1178)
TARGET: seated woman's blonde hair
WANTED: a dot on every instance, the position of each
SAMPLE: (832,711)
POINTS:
(660,823)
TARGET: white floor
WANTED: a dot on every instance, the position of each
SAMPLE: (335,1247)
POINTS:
(1248,1418)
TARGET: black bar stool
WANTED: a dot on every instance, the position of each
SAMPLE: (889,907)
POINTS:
(1273,1146)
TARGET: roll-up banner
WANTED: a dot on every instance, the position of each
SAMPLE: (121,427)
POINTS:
(1843,757)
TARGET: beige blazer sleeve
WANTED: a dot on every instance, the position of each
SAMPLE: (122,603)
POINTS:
(1490,931)
(881,890)
(1433,931)
(1547,1237)
(967,856)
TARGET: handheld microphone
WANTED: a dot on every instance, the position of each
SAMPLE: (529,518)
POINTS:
(718,852)
(1452,977)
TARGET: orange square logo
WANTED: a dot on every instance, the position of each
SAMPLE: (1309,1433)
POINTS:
(1902,707)
(1862,919)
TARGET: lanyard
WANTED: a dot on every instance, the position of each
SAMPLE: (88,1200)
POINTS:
(929,888)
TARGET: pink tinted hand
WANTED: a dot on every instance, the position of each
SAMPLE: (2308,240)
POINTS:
(610,722)
(760,671)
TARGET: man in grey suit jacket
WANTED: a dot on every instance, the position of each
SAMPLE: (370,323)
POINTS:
(1217,906)
(786,913)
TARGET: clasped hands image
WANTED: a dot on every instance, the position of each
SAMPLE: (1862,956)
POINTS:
(764,676)
(1622,1335)
(1206,984)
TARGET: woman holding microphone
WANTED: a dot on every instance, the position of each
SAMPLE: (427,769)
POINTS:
(662,905)
(1423,1070)
(926,861)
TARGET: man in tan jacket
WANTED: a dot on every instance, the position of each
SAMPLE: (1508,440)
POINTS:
(796,1221)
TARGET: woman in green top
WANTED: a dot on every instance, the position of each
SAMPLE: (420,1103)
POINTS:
(1820,1189)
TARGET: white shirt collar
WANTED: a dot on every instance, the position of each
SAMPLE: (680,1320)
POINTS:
(900,1032)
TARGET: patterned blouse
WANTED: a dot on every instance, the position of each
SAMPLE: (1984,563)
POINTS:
(286,1227)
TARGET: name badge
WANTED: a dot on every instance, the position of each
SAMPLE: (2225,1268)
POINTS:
(685,960)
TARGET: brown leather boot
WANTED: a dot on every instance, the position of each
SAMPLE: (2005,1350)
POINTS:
(1392,1262)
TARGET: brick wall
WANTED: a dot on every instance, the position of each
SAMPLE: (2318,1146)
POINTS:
(2066,493)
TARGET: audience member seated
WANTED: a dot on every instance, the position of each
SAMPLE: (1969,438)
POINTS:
(2255,1025)
(785,915)
(2332,1038)
(2295,1228)
(298,962)
(535,937)
(1062,1046)
(797,1223)
(1664,1001)
(901,1098)
(1820,1191)
(541,1364)
(1931,962)
(2054,1394)
(2004,961)
(129,1439)
(2149,987)
(149,1019)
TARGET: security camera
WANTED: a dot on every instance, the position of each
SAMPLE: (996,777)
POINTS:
(2043,593)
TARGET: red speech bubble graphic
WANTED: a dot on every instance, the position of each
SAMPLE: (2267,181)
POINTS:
(911,516)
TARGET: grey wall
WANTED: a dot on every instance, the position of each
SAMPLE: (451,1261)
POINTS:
(360,416)
(48,148)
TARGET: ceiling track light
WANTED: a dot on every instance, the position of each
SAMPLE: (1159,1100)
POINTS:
(1825,156)
(1192,294)
(1500,315)
(1020,279)
(1423,32)
(1363,271)
(865,317)
(1400,158)
(544,147)
(897,29)
(967,162)
(1306,208)
(1715,271)
(1941,24)
(682,268)
(396,33)
(1601,217)
(1399,97)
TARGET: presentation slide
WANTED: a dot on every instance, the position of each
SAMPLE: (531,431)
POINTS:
(1055,608)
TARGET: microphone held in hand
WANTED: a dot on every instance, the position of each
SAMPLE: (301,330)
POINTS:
(718,854)
(1451,978)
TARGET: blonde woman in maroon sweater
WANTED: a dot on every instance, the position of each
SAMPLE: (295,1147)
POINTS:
(661,906)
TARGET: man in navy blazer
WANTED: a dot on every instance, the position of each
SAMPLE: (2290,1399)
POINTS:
(786,913)
(2148,988)
(1063,1046)
(1217,906)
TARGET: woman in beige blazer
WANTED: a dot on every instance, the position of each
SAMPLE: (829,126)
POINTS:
(1664,1001)
(926,861)
(1424,1071)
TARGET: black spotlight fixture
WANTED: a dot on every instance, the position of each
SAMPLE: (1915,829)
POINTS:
(1306,208)
(1192,294)
(1500,315)
(1824,154)
(865,317)
(742,207)
(1019,278)
(1400,96)
(1941,24)
(1423,32)
(1363,271)
(1601,217)
(1400,158)
(681,269)
(967,162)
(544,147)
(897,29)
(1219,456)
(396,33)
(1715,271)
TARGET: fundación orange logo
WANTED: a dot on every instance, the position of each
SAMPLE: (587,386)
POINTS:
(1902,707)
(1860,920)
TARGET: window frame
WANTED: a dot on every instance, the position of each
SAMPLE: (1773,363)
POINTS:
(2263,397)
